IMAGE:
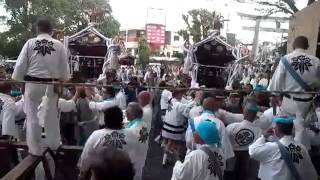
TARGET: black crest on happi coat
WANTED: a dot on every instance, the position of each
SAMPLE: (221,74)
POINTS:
(295,152)
(115,139)
(143,135)
(211,163)
(301,63)
(44,47)
(244,137)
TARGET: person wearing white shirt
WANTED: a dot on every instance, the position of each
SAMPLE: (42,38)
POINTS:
(49,118)
(7,112)
(272,164)
(166,95)
(210,105)
(100,106)
(208,161)
(41,59)
(139,128)
(175,120)
(175,124)
(308,68)
(241,135)
(113,135)
(107,163)
(144,100)
(265,120)
(121,99)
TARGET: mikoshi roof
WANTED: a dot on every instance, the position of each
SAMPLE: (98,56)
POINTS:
(92,29)
(199,54)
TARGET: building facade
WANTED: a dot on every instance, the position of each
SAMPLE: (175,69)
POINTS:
(306,23)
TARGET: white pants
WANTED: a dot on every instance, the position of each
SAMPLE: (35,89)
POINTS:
(295,107)
(302,112)
(33,98)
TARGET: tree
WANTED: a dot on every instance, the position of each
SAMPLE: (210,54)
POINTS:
(276,6)
(144,52)
(68,16)
(199,22)
(100,13)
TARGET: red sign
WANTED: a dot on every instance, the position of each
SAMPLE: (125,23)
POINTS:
(156,34)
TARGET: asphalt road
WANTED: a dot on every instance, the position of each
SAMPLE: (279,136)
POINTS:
(153,169)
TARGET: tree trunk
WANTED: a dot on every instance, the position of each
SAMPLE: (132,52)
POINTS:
(310,2)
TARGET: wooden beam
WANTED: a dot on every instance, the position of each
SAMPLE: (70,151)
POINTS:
(64,148)
(24,168)
(266,29)
(263,18)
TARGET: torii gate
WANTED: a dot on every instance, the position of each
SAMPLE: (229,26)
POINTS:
(257,28)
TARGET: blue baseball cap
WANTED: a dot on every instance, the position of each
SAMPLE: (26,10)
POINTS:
(260,88)
(283,120)
(208,132)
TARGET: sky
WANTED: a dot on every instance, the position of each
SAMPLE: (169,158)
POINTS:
(134,13)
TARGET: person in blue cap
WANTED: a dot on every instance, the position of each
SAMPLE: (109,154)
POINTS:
(241,135)
(262,97)
(272,163)
(210,106)
(208,161)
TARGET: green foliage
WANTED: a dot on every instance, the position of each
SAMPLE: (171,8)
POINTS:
(199,22)
(144,52)
(110,26)
(68,16)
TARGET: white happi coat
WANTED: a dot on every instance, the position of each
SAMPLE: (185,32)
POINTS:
(308,67)
(40,57)
(195,111)
(273,167)
(7,116)
(140,130)
(99,107)
(225,141)
(147,115)
(242,134)
(121,100)
(166,95)
(196,166)
(176,120)
(19,109)
(124,139)
(228,117)
(265,120)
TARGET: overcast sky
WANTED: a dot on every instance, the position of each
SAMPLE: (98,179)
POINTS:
(134,13)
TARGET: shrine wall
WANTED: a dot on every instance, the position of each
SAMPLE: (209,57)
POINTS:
(306,23)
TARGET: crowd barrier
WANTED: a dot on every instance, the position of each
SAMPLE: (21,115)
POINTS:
(64,84)
(25,169)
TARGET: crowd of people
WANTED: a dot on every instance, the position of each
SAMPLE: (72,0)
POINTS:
(245,134)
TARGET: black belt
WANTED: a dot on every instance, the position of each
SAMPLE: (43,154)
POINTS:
(298,99)
(31,78)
